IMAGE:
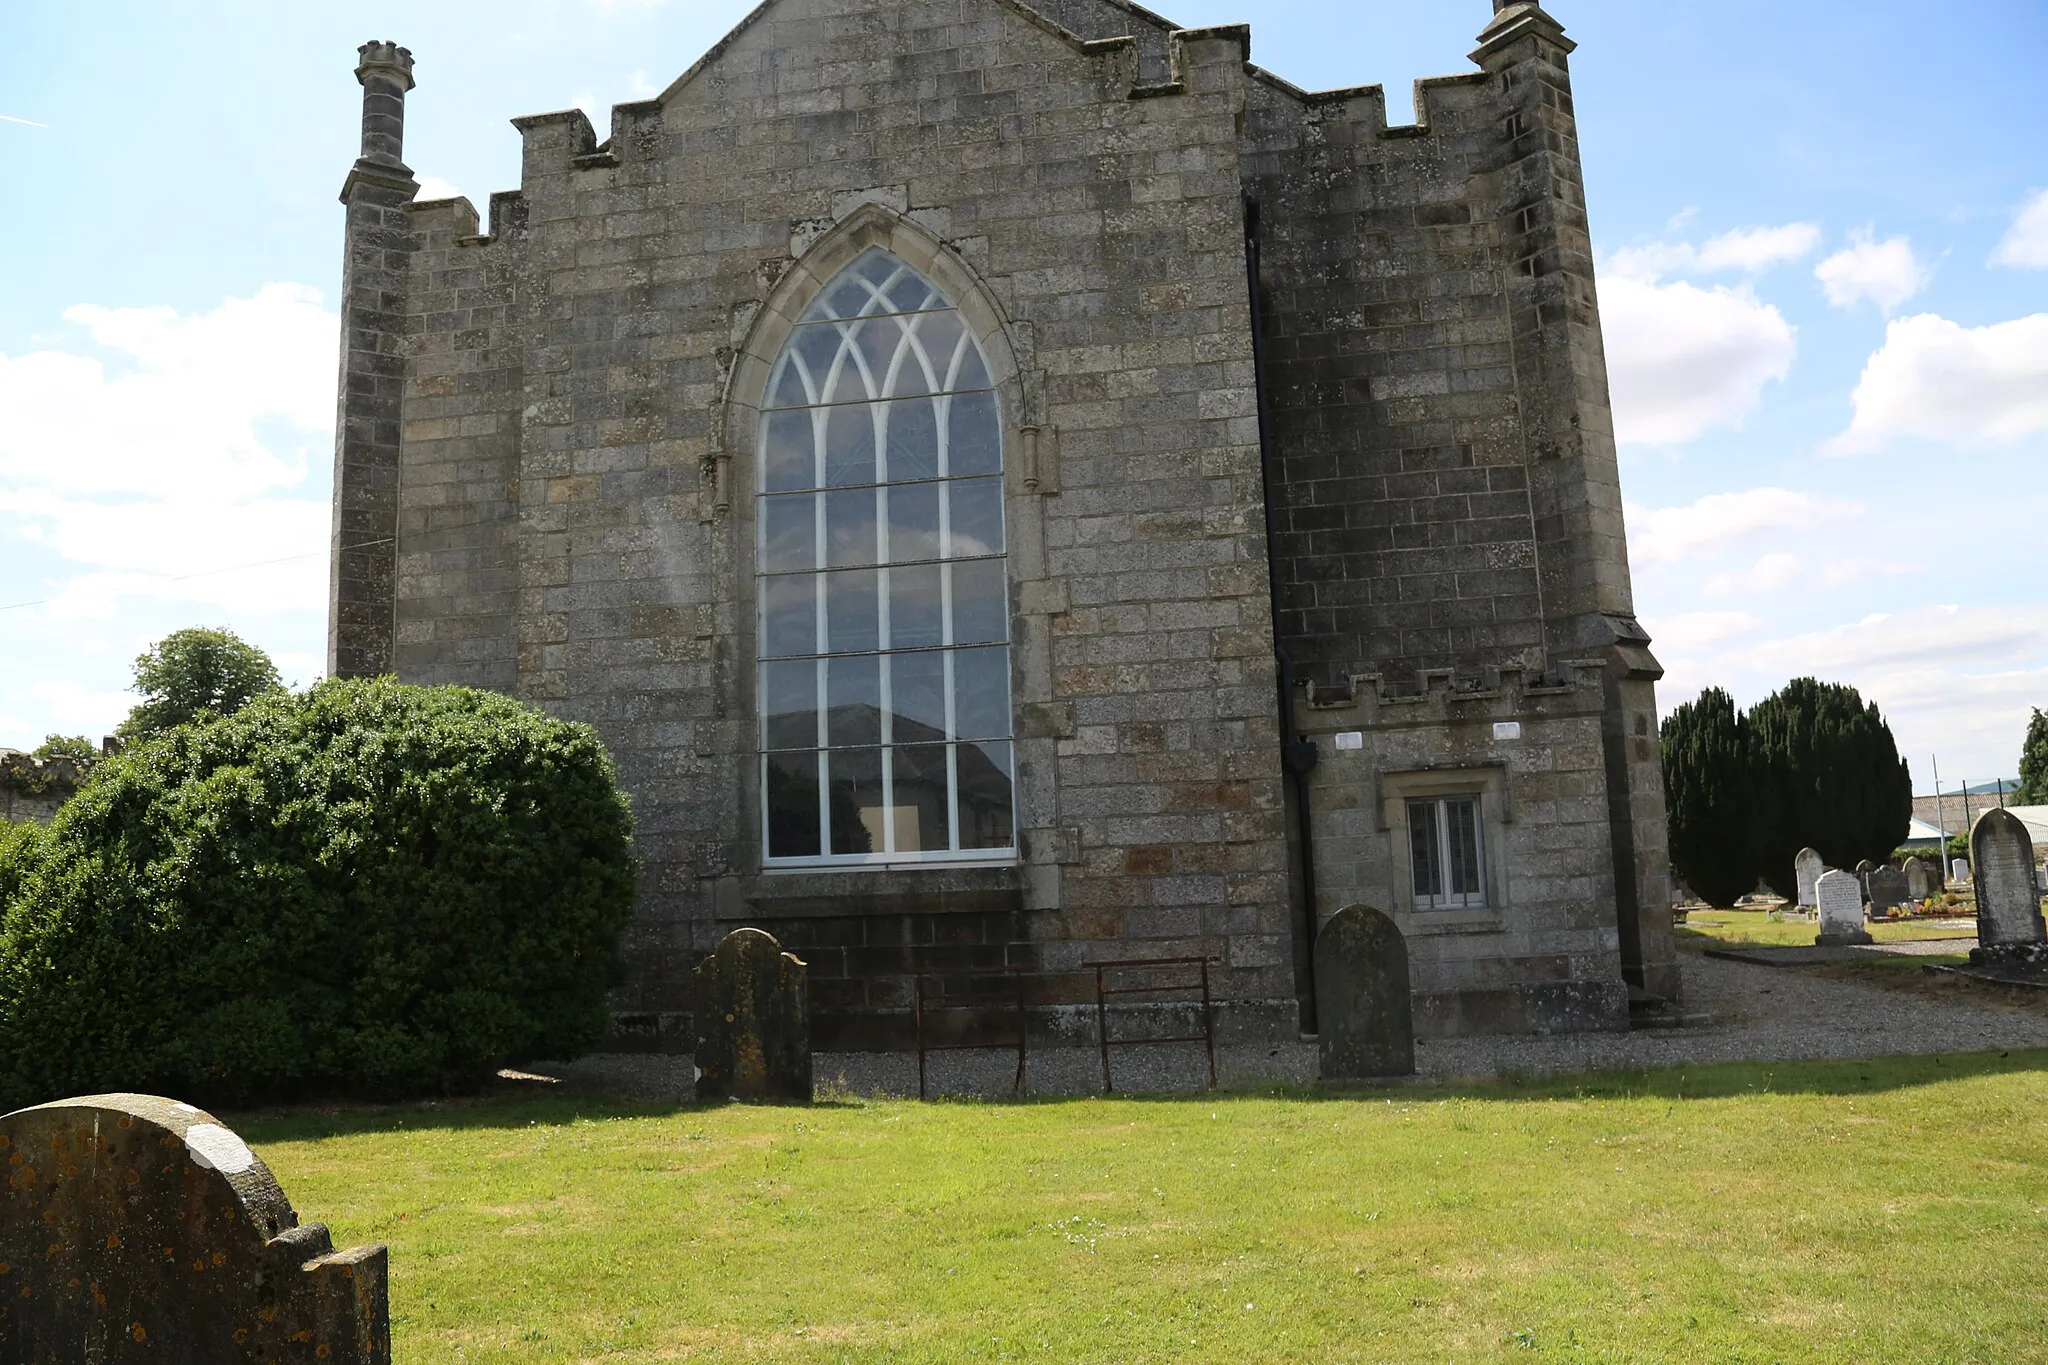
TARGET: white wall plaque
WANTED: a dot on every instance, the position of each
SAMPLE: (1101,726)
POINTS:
(1351,739)
(1507,729)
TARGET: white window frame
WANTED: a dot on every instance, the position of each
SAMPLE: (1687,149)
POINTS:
(1486,784)
(888,855)
(1437,811)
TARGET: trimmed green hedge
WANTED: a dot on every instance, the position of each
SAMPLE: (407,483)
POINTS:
(368,888)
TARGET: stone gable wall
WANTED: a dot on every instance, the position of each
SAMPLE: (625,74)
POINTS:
(574,515)
(571,510)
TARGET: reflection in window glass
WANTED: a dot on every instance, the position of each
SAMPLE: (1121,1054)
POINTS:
(1444,853)
(884,600)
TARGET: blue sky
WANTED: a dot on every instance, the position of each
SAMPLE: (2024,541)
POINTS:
(1822,228)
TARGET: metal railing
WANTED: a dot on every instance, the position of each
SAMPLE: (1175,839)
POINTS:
(1104,990)
(934,1001)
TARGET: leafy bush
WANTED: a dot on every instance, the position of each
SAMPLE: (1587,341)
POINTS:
(17,846)
(367,888)
(77,748)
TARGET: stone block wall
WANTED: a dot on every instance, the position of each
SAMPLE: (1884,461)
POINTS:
(544,482)
(1543,955)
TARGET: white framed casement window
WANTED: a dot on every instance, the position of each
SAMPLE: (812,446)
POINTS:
(1447,832)
(1446,857)
(882,585)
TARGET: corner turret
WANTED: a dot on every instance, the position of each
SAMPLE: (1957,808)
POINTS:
(375,279)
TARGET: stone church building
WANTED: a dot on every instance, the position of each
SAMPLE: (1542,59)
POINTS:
(1016,484)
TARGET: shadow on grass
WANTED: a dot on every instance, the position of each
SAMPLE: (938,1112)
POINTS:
(1717,1081)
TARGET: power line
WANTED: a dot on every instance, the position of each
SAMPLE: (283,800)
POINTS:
(206,573)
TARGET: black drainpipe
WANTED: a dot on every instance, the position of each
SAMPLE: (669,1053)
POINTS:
(1297,755)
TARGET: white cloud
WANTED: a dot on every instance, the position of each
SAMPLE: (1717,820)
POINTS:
(1702,629)
(177,456)
(1887,273)
(1966,386)
(1748,250)
(1756,249)
(434,187)
(187,408)
(1955,680)
(1773,572)
(1667,535)
(2025,246)
(1683,360)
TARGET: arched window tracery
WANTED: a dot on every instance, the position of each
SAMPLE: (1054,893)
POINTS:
(882,592)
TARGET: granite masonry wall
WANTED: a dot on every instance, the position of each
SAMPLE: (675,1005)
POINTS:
(562,495)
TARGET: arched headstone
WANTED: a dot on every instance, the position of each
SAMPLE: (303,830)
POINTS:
(1922,880)
(137,1229)
(2008,897)
(1365,1017)
(1959,870)
(753,1021)
(1841,910)
(1807,867)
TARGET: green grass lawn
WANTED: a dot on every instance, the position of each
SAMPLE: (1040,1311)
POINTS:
(1893,1210)
(1707,928)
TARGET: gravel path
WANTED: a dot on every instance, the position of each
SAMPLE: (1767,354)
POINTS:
(1759,1014)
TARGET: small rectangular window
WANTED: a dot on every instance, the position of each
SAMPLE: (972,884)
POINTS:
(1445,853)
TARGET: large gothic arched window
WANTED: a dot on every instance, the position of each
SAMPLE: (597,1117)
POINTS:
(884,622)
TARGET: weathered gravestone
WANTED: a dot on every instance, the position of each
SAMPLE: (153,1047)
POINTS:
(1887,887)
(1807,867)
(753,1021)
(137,1229)
(1922,879)
(2008,897)
(1365,1018)
(1841,910)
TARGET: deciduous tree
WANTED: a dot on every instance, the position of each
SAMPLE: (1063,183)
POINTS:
(193,673)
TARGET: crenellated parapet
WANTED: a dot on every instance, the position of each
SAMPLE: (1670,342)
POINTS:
(1445,697)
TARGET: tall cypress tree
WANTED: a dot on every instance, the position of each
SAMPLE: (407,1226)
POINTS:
(1709,790)
(2034,764)
(1829,776)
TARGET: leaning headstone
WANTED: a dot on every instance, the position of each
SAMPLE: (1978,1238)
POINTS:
(2008,897)
(137,1229)
(1364,1015)
(753,1021)
(1807,867)
(1841,910)
(1888,888)
(1922,880)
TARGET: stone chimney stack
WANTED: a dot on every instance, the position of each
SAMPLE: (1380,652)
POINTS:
(386,73)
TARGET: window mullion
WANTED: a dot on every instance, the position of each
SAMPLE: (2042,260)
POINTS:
(952,758)
(1444,852)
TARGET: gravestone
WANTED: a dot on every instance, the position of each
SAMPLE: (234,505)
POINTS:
(1365,1017)
(1841,910)
(2008,897)
(1807,867)
(1888,889)
(137,1229)
(1922,879)
(1959,870)
(753,1021)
